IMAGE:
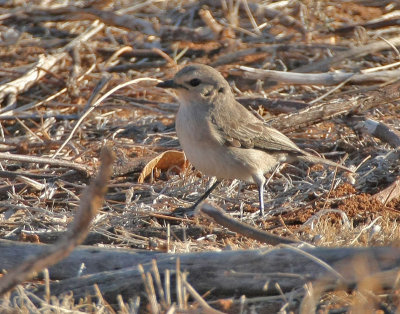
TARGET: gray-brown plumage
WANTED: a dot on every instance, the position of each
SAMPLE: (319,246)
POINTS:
(222,138)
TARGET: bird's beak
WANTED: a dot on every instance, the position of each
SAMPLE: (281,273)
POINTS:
(168,84)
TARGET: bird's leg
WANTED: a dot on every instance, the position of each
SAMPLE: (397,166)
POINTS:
(190,210)
(261,198)
(261,187)
(260,180)
(206,194)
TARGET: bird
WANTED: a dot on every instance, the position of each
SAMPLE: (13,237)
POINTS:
(221,138)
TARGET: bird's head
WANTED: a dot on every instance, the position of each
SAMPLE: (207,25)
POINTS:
(198,84)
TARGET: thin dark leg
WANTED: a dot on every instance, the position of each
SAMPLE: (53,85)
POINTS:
(261,198)
(206,194)
(190,210)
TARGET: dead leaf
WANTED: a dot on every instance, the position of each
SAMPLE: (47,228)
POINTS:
(164,161)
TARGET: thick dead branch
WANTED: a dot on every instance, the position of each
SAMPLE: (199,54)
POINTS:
(246,230)
(226,272)
(382,131)
(95,259)
(91,201)
(329,78)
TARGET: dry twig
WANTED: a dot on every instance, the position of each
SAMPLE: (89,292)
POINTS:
(47,161)
(225,220)
(91,201)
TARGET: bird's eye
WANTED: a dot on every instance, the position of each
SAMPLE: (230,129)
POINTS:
(194,82)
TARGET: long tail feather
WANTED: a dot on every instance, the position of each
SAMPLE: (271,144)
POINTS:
(317,160)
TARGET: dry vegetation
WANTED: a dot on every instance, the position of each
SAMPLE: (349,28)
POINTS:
(58,59)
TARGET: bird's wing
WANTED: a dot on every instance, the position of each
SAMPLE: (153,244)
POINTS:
(272,139)
(240,128)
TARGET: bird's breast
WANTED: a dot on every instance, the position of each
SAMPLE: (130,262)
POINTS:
(205,149)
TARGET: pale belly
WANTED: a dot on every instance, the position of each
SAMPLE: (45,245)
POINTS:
(230,163)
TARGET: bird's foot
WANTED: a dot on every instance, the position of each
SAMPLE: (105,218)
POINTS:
(184,211)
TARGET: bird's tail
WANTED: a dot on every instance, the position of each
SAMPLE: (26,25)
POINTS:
(319,160)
